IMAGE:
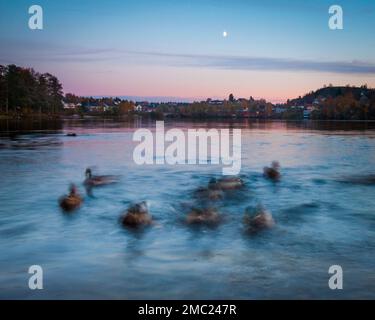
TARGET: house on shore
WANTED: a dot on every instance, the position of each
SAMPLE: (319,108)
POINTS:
(70,105)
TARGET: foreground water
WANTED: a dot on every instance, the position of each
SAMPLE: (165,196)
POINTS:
(324,216)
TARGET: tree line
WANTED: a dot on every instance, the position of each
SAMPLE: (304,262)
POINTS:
(338,103)
(23,90)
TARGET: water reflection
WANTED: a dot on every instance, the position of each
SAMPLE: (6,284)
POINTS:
(13,128)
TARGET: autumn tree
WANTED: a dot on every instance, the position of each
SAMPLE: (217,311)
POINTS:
(126,107)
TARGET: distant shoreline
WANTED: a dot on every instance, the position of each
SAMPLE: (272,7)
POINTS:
(63,117)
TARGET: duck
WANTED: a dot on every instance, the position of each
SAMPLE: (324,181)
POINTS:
(71,134)
(72,201)
(137,215)
(261,219)
(208,216)
(209,193)
(226,183)
(96,181)
(272,172)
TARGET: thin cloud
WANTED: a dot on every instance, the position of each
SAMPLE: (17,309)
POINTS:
(266,64)
(62,54)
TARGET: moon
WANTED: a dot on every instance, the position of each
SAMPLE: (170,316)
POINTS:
(225,34)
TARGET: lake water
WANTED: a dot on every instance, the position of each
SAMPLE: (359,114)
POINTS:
(323,207)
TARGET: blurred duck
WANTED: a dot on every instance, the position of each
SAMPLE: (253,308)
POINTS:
(96,181)
(210,193)
(227,183)
(260,219)
(208,216)
(273,171)
(72,201)
(137,216)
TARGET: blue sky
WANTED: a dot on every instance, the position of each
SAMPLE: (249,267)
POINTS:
(274,49)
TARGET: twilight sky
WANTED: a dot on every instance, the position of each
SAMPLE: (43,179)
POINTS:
(175,49)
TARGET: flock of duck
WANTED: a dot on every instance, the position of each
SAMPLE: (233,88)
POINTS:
(138,215)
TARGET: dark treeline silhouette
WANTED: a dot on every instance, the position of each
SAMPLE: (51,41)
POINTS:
(338,103)
(22,90)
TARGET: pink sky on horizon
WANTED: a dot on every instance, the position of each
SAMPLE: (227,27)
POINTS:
(191,83)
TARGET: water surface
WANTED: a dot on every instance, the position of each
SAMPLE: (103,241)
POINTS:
(322,216)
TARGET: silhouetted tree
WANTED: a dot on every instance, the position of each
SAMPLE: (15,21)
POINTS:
(24,90)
